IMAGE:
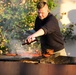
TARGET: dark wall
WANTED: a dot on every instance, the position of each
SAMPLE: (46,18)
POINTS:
(19,68)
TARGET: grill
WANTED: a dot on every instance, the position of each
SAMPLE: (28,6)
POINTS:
(17,65)
(53,59)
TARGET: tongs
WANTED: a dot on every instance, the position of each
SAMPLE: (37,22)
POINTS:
(26,42)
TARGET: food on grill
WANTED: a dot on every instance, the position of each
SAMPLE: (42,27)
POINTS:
(46,55)
(29,54)
(50,52)
(11,54)
(29,61)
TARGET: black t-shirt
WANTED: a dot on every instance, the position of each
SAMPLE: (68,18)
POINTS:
(52,39)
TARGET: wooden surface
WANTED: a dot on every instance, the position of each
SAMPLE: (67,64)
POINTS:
(19,68)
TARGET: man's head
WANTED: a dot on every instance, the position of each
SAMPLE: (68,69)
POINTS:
(42,10)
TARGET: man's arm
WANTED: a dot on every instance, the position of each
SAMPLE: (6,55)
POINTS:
(32,37)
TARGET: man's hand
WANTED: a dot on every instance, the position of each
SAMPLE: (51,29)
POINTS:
(30,39)
(38,33)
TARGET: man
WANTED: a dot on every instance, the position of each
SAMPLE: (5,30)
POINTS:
(46,26)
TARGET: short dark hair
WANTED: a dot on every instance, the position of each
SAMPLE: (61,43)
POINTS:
(41,4)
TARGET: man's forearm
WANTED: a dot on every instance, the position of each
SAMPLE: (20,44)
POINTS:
(40,32)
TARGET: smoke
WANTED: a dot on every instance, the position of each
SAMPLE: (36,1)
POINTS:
(16,47)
